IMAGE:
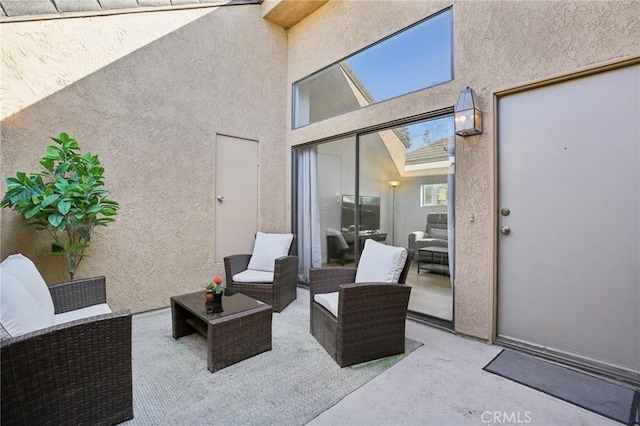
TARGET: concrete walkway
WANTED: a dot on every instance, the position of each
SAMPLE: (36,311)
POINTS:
(442,383)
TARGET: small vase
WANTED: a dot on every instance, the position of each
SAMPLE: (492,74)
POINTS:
(217,303)
(209,296)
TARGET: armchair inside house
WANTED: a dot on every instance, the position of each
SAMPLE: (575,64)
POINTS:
(358,315)
(435,234)
(338,248)
(269,274)
(65,357)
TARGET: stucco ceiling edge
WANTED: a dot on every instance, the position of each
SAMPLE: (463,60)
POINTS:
(90,14)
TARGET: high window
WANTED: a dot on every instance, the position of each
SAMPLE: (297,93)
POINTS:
(415,58)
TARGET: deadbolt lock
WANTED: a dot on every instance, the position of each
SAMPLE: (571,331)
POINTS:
(505,211)
(505,230)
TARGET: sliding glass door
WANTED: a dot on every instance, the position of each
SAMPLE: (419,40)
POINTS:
(395,186)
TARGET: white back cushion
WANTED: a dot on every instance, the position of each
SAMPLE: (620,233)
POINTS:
(26,272)
(253,276)
(26,278)
(267,249)
(380,263)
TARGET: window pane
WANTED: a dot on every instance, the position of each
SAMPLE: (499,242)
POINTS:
(336,189)
(433,195)
(416,58)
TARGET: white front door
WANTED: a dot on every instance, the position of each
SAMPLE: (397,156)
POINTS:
(569,175)
(236,195)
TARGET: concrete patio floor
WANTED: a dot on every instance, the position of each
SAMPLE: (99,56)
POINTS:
(442,383)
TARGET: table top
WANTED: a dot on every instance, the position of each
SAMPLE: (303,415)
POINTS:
(436,249)
(231,303)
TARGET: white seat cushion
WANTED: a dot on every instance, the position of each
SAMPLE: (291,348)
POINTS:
(380,263)
(329,301)
(251,276)
(267,248)
(89,311)
(25,301)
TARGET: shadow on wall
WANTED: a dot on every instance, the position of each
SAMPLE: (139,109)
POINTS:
(152,117)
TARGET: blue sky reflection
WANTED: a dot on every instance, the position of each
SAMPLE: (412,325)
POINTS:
(412,60)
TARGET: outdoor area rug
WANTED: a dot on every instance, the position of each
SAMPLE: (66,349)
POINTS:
(291,384)
(608,399)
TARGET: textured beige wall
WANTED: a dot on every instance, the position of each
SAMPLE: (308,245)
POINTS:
(152,116)
(75,48)
(497,45)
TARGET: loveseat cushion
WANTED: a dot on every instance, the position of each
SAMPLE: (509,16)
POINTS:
(329,301)
(439,233)
(380,263)
(25,301)
(89,311)
(267,248)
(251,276)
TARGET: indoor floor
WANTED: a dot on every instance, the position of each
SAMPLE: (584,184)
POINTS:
(431,293)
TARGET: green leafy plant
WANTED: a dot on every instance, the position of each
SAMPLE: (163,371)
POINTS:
(67,199)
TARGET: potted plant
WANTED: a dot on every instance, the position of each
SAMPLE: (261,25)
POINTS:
(67,199)
(214,286)
(213,293)
(209,288)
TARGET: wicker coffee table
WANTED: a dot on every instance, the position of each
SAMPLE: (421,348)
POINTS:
(241,331)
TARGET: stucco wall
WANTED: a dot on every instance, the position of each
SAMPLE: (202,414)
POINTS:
(152,116)
(497,45)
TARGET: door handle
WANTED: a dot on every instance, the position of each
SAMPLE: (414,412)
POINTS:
(505,230)
(220,198)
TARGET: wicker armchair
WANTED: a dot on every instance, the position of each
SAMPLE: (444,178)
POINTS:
(278,293)
(371,316)
(77,372)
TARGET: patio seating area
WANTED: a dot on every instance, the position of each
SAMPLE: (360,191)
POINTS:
(457,392)
(383,391)
(321,212)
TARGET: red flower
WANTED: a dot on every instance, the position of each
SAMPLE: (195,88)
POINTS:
(217,279)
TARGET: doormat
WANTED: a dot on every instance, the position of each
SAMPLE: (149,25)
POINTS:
(608,399)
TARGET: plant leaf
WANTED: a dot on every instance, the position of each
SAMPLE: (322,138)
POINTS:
(55,219)
(49,199)
(54,254)
(78,246)
(64,206)
(29,213)
(94,208)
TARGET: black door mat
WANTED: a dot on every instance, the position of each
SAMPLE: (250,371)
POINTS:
(608,399)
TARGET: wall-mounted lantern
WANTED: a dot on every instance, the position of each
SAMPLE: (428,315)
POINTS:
(468,118)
